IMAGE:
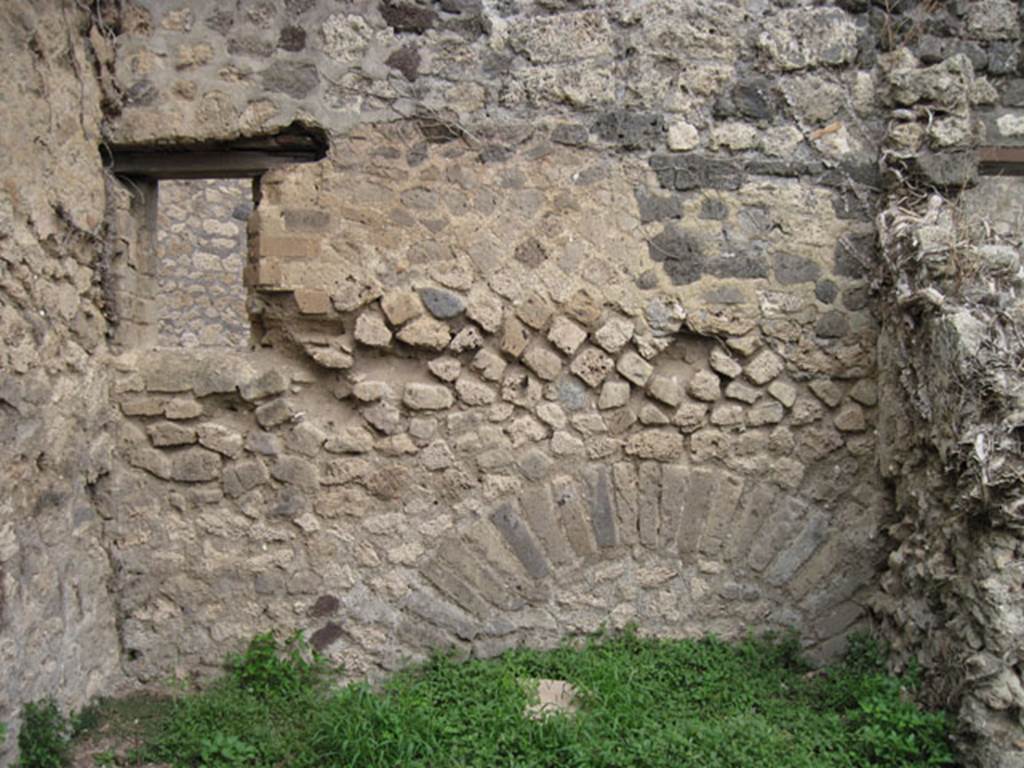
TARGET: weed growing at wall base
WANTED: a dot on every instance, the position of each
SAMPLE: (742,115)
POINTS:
(642,702)
(44,738)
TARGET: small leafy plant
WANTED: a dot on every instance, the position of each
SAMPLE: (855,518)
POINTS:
(225,751)
(268,671)
(44,738)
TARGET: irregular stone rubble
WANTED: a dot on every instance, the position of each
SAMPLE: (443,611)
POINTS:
(950,389)
(201,249)
(575,325)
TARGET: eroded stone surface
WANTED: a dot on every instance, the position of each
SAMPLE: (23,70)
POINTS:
(488,361)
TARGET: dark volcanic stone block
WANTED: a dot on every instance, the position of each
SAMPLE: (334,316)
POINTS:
(790,269)
(654,207)
(442,304)
(631,130)
(520,540)
(602,513)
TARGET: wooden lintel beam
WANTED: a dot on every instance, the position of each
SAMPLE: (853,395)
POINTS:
(202,164)
(1001,161)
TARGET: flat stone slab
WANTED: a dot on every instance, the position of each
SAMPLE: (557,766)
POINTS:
(553,697)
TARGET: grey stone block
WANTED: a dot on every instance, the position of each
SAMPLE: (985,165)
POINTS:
(263,443)
(295,79)
(442,304)
(242,476)
(520,540)
(648,503)
(832,325)
(602,509)
(274,413)
(571,134)
(534,464)
(538,509)
(825,291)
(654,207)
(790,269)
(195,465)
(294,470)
(789,560)
(631,130)
(753,97)
(699,172)
(854,254)
(572,394)
(571,511)
(272,382)
(684,261)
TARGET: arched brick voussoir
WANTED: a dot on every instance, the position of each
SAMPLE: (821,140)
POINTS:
(447,579)
(528,553)
(643,510)
(520,540)
(573,517)
(486,542)
(794,553)
(456,570)
(756,504)
(847,561)
(698,510)
(602,506)
(437,609)
(537,506)
(780,530)
(625,481)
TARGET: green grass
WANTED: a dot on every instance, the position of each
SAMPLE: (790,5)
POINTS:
(645,703)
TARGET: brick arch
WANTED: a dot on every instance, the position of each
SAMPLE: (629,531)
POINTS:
(641,522)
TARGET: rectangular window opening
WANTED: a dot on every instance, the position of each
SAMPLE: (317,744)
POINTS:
(201,253)
(181,214)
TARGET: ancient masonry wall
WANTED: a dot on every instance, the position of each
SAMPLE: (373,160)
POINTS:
(573,326)
(950,393)
(570,328)
(201,252)
(58,634)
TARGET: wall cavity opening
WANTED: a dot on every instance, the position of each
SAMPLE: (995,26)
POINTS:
(201,252)
(181,213)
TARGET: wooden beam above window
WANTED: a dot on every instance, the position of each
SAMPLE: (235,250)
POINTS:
(243,158)
(1001,161)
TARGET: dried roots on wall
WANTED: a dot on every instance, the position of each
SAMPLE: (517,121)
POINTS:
(950,387)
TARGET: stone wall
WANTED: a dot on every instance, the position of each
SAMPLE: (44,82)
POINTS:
(488,440)
(58,634)
(570,328)
(950,388)
(201,252)
(576,324)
